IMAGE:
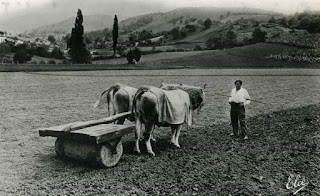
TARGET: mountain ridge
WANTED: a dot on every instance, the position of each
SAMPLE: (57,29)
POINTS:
(157,21)
(90,23)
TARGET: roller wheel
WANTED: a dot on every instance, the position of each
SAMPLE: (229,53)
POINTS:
(59,148)
(110,155)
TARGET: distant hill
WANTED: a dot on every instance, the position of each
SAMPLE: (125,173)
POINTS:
(53,11)
(158,22)
(90,23)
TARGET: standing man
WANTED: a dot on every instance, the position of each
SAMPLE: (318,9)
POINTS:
(239,98)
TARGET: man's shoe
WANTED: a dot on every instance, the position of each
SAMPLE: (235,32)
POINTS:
(232,134)
(245,137)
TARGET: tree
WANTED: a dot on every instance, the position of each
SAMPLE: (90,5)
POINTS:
(134,56)
(121,49)
(272,20)
(51,39)
(207,23)
(21,56)
(130,57)
(4,48)
(231,38)
(216,42)
(258,36)
(57,54)
(283,22)
(78,51)
(137,54)
(51,61)
(144,35)
(183,32)
(175,32)
(66,39)
(191,28)
(115,34)
(88,40)
(132,39)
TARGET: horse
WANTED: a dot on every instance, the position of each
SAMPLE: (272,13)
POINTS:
(117,98)
(171,105)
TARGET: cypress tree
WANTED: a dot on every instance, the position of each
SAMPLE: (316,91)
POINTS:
(115,34)
(78,51)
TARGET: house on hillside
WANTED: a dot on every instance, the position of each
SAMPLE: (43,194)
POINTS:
(158,39)
(40,42)
(18,42)
(3,37)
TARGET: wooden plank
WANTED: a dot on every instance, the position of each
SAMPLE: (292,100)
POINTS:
(99,130)
(96,134)
(57,131)
(102,134)
(115,134)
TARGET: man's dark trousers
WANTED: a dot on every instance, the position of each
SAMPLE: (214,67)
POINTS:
(238,114)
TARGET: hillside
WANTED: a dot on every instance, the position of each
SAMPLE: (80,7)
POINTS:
(159,22)
(90,23)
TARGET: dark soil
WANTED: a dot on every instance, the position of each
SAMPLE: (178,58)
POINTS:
(209,162)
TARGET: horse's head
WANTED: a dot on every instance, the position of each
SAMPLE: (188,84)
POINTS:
(196,94)
(168,87)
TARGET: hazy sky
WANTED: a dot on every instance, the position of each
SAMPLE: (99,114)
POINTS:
(9,8)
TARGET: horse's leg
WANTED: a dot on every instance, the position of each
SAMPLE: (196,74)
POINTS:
(178,129)
(173,133)
(137,135)
(149,128)
(119,106)
(152,137)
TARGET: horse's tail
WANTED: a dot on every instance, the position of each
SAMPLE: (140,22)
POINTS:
(138,94)
(109,93)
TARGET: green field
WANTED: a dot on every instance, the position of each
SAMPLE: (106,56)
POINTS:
(252,56)
(247,56)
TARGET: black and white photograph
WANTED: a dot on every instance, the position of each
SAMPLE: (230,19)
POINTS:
(160,97)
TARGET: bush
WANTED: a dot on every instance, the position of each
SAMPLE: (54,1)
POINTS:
(175,33)
(197,48)
(130,57)
(134,56)
(52,62)
(258,36)
(57,54)
(65,62)
(216,42)
(42,62)
(191,28)
(137,54)
(207,23)
(21,56)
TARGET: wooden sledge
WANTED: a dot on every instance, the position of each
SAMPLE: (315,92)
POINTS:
(95,140)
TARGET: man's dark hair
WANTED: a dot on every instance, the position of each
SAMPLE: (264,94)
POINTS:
(238,81)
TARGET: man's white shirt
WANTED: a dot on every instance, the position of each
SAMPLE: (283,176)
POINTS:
(240,96)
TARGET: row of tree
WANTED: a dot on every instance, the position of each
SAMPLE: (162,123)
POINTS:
(24,52)
(229,40)
(78,51)
(306,21)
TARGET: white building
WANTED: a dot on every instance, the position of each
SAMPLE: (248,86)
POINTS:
(157,39)
(2,38)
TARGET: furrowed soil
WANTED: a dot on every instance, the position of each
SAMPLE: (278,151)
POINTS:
(283,121)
